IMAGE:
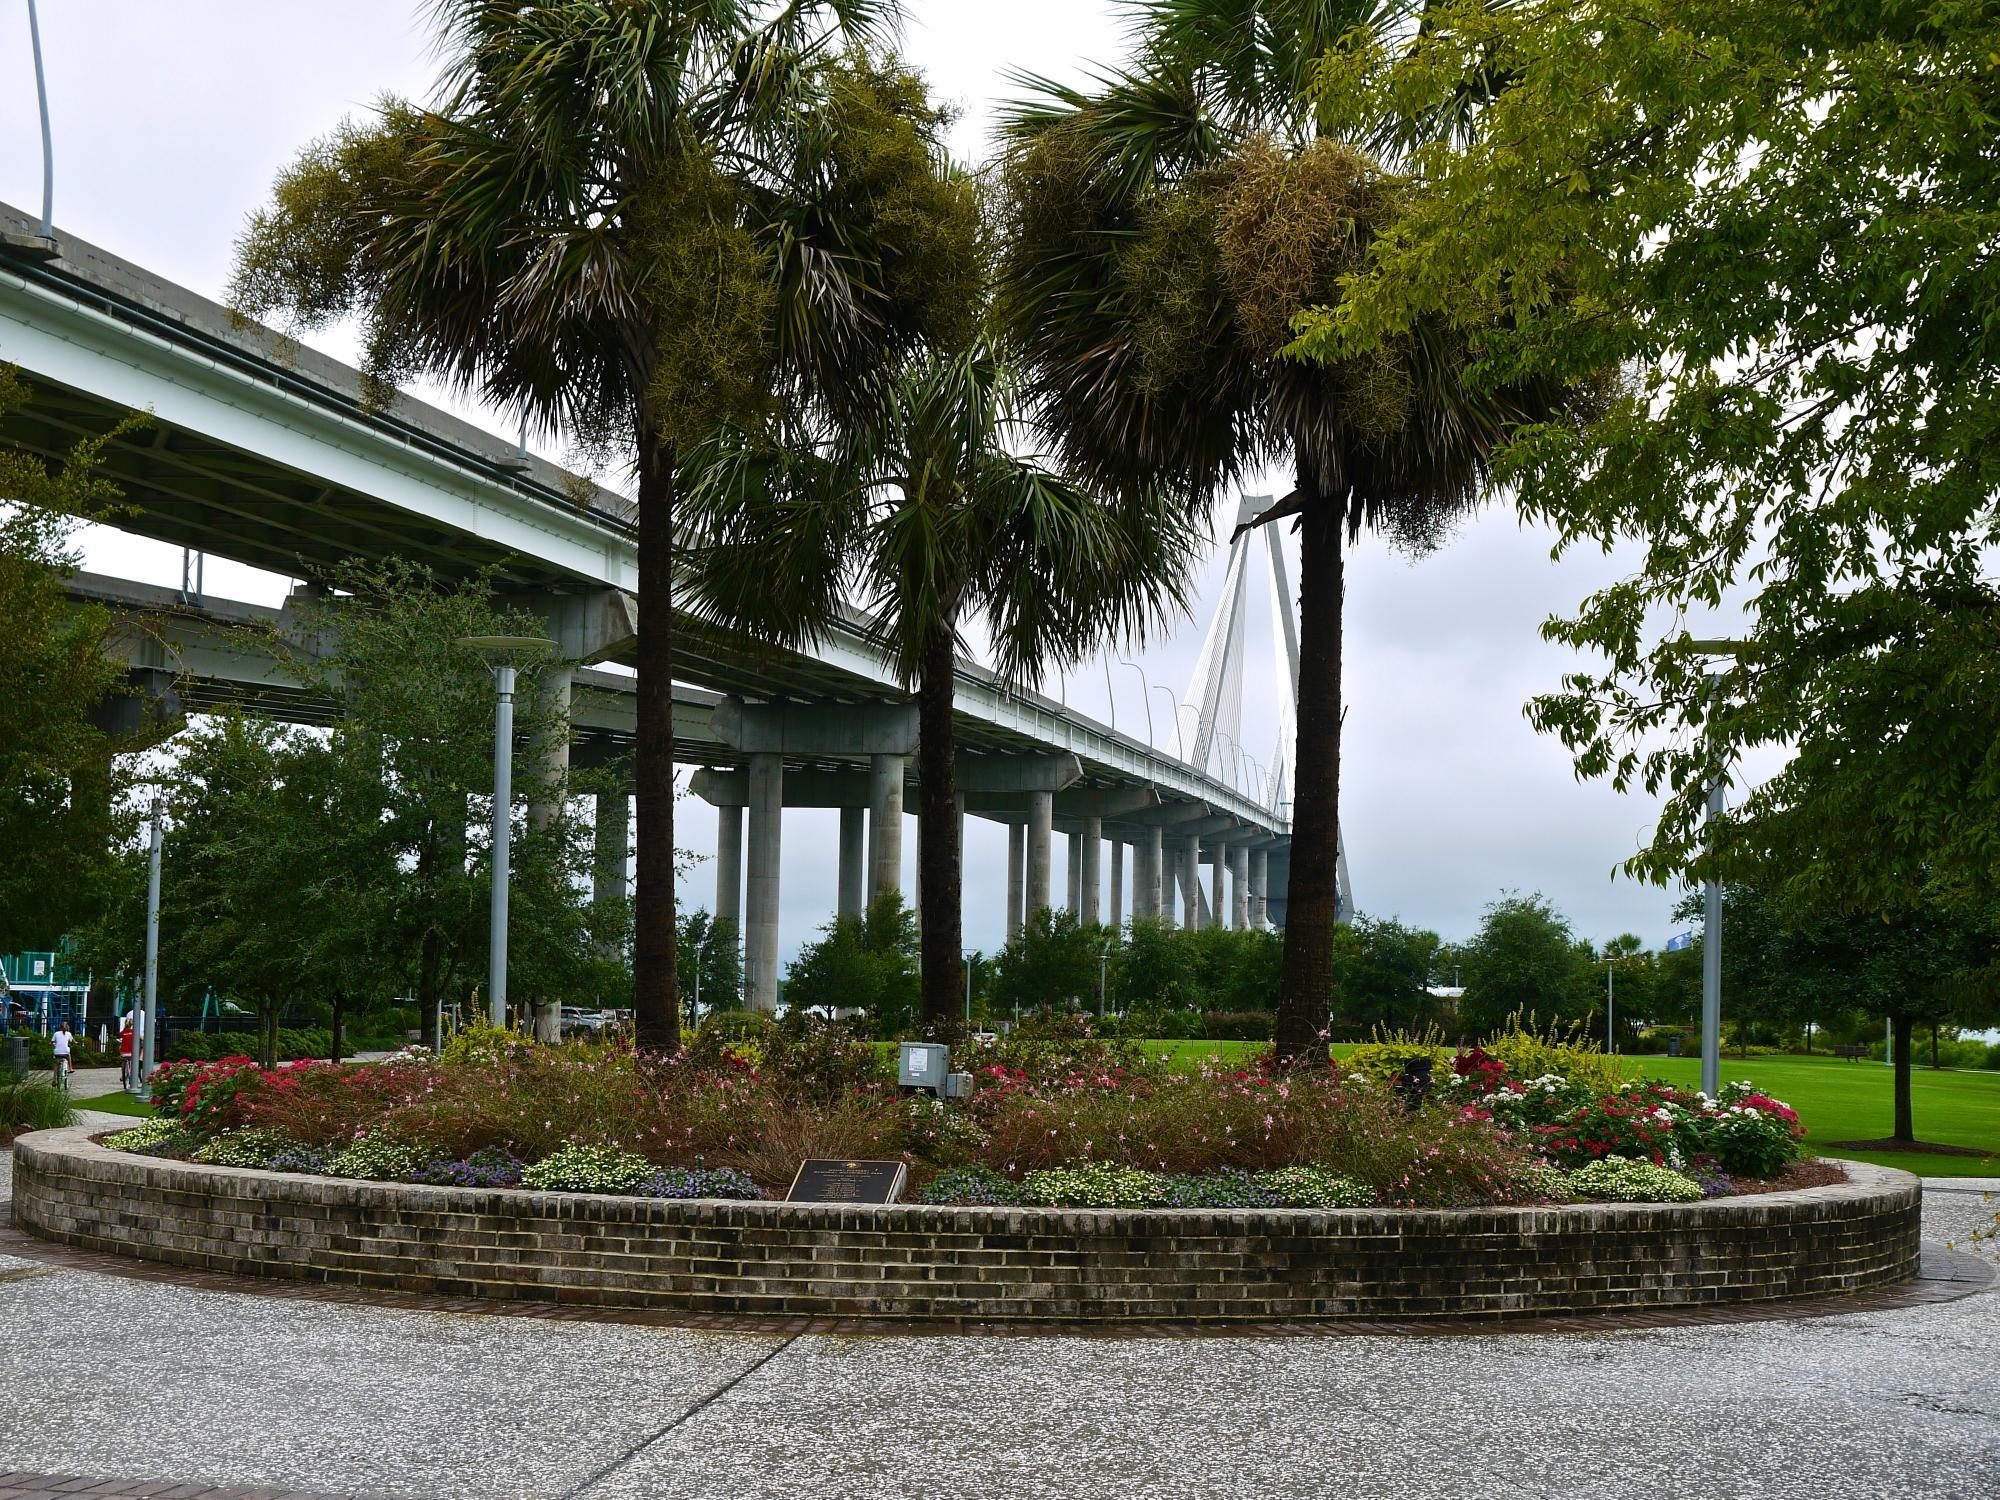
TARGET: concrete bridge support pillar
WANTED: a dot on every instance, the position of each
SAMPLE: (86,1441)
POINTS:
(1041,816)
(767,812)
(729,867)
(1073,876)
(1117,917)
(885,825)
(1191,883)
(853,854)
(1218,914)
(613,846)
(1239,888)
(1017,877)
(1260,874)
(1093,850)
(1148,879)
(549,776)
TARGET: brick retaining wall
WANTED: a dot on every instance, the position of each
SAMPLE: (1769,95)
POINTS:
(909,1261)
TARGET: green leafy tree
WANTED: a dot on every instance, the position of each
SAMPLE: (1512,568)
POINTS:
(1155,971)
(1053,962)
(1166,224)
(272,871)
(866,963)
(417,708)
(1385,970)
(927,514)
(1779,218)
(1523,959)
(57,786)
(627,220)
(712,952)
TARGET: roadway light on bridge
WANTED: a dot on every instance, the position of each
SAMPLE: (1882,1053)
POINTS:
(1711,927)
(503,649)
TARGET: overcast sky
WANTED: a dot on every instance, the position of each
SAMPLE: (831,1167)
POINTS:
(171,120)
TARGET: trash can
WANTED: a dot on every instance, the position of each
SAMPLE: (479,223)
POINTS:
(1673,1046)
(17,1056)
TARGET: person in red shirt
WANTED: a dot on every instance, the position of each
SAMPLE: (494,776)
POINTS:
(125,1054)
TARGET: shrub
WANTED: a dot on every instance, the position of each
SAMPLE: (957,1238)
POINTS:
(697,1182)
(243,1148)
(1092,1185)
(149,1137)
(490,1166)
(976,1184)
(1231,1189)
(588,1169)
(1620,1179)
(31,1104)
(481,1043)
(1571,1056)
(316,1160)
(1383,1058)
(1313,1187)
(819,1059)
(1750,1134)
(377,1158)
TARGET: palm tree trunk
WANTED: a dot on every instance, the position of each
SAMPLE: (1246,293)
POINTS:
(655,999)
(938,864)
(1305,986)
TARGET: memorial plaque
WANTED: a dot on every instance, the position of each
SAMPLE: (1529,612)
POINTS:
(847,1182)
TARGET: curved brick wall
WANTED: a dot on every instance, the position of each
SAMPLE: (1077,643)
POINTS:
(970,1263)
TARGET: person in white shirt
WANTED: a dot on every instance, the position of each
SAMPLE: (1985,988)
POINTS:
(60,1042)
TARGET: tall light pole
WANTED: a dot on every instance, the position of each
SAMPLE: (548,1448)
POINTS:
(149,1014)
(1711,891)
(1145,696)
(48,147)
(503,804)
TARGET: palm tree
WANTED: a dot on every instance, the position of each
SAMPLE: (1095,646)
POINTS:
(629,221)
(1165,225)
(928,517)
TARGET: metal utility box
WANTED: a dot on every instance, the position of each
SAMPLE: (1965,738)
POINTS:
(923,1065)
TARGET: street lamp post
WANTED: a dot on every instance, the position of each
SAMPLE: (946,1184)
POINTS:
(1145,697)
(151,1001)
(503,806)
(1711,893)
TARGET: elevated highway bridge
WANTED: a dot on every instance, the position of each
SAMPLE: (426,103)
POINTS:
(271,454)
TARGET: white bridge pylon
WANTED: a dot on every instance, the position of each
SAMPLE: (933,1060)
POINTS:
(1215,689)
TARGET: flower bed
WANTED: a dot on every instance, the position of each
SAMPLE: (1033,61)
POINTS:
(1060,1118)
(995,1263)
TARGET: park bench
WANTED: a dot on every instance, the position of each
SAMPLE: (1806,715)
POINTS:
(1854,1050)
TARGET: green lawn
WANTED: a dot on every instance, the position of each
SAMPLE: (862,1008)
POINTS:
(116,1104)
(1852,1101)
(1837,1100)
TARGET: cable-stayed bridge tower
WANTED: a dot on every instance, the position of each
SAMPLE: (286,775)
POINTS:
(1214,697)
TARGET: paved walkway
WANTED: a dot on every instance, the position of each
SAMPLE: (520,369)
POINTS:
(127,1378)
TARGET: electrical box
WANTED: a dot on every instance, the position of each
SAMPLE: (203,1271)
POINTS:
(923,1065)
(958,1085)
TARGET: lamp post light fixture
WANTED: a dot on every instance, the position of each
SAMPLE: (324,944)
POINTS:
(502,648)
(1711,893)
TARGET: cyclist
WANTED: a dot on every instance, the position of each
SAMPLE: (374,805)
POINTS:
(61,1042)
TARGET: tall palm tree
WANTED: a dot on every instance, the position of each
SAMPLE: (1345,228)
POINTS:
(628,221)
(927,516)
(1165,225)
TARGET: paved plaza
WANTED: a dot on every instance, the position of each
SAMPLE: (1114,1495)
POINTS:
(140,1378)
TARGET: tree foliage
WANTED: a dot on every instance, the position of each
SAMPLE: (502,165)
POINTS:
(866,963)
(1777,220)
(1165,224)
(629,221)
(57,786)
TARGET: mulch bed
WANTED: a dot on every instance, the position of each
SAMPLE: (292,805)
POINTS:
(1807,1172)
(1889,1143)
